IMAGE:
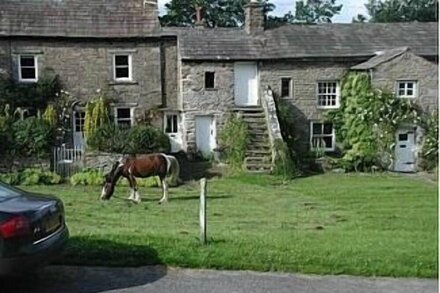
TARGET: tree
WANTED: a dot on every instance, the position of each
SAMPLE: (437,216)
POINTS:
(316,11)
(217,13)
(402,10)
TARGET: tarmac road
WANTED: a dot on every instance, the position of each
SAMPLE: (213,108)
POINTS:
(169,280)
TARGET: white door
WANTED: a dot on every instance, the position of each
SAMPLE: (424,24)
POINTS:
(172,129)
(405,151)
(78,129)
(205,134)
(246,84)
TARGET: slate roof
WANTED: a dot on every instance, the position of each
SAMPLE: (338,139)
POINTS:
(381,57)
(78,18)
(307,41)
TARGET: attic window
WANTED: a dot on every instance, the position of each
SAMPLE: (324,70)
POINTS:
(28,70)
(122,67)
(407,89)
(209,80)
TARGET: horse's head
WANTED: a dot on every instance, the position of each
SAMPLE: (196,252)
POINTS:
(110,179)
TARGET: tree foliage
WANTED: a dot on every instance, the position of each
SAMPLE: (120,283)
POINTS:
(230,13)
(217,13)
(402,10)
(316,11)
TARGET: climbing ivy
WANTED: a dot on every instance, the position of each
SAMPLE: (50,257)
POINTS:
(367,121)
(97,115)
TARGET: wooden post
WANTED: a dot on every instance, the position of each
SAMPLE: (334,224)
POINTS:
(202,214)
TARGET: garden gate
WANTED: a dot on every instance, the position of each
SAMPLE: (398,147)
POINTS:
(67,161)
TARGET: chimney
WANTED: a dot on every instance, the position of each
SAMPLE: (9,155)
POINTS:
(152,7)
(254,17)
(200,20)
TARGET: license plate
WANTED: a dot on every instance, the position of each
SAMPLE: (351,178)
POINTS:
(52,224)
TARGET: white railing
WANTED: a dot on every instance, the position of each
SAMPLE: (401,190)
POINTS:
(67,161)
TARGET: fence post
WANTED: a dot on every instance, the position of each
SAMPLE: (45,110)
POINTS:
(202,214)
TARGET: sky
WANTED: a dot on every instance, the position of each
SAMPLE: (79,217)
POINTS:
(350,8)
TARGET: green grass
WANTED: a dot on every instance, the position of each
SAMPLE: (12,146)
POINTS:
(370,225)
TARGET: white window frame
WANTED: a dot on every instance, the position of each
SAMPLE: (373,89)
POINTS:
(406,82)
(20,78)
(129,78)
(290,87)
(131,119)
(165,124)
(79,119)
(333,135)
(338,94)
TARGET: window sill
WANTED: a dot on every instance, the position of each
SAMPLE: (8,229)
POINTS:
(328,108)
(211,90)
(123,82)
(28,80)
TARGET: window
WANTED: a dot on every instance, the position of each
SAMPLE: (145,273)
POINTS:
(28,68)
(322,136)
(79,121)
(328,94)
(124,117)
(286,87)
(209,80)
(122,67)
(407,89)
(171,123)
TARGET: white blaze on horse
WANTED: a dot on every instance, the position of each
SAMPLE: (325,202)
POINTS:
(142,166)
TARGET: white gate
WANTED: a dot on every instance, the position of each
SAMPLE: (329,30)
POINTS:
(67,162)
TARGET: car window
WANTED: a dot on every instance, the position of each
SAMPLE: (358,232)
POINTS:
(8,191)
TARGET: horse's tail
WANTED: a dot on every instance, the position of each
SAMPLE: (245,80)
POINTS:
(173,170)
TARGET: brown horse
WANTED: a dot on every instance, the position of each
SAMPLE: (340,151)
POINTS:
(142,166)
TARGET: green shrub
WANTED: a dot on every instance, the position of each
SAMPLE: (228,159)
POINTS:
(234,141)
(144,139)
(141,139)
(96,178)
(430,146)
(97,115)
(284,164)
(32,137)
(88,177)
(31,176)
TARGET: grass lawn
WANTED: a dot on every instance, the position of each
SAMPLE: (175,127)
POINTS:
(371,225)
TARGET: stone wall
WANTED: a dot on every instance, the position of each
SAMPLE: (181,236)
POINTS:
(10,164)
(99,160)
(169,74)
(196,100)
(410,67)
(84,66)
(304,101)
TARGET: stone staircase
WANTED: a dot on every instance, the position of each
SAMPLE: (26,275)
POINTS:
(258,154)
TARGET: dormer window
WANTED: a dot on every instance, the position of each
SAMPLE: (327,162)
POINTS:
(27,68)
(122,67)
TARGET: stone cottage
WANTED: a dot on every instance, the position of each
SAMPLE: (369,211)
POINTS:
(225,70)
(196,77)
(114,46)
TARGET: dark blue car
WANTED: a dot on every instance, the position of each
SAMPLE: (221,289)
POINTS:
(32,229)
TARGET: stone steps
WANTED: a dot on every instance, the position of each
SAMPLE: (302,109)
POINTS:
(258,153)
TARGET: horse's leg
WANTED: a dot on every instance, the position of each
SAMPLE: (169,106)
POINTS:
(164,190)
(130,181)
(137,198)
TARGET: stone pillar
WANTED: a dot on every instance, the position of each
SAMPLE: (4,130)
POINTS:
(254,17)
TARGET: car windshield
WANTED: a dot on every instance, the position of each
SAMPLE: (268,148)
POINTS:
(8,191)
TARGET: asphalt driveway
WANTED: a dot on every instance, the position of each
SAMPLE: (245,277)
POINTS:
(168,280)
